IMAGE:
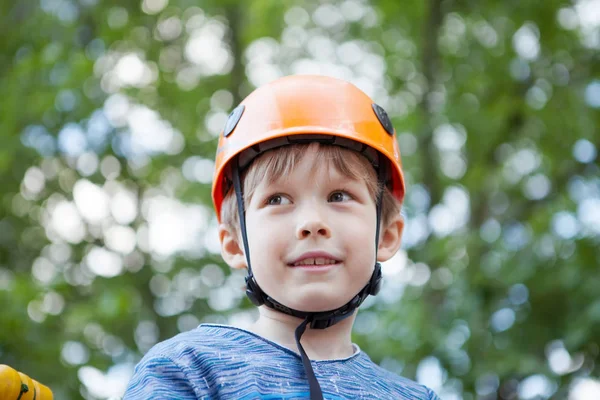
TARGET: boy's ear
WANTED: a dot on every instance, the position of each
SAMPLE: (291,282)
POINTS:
(231,251)
(390,238)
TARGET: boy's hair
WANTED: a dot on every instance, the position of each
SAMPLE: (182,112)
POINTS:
(281,162)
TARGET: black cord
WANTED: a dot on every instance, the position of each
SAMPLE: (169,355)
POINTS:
(379,204)
(237,186)
(313,383)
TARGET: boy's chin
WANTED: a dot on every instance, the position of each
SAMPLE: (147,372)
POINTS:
(317,302)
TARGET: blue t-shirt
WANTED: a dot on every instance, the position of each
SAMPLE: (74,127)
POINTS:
(223,362)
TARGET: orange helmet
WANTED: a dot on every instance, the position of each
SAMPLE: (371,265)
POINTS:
(300,109)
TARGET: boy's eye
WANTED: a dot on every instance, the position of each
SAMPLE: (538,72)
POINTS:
(338,197)
(277,200)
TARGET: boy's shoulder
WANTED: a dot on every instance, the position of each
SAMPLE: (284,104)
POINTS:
(199,363)
(401,387)
(205,341)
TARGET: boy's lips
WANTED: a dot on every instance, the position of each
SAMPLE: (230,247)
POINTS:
(314,259)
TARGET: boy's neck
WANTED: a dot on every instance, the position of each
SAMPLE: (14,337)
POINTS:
(320,344)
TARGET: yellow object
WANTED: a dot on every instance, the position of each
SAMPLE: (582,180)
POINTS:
(10,383)
(15,385)
(30,394)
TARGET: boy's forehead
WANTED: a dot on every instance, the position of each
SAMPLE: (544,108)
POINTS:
(302,164)
(324,170)
(308,172)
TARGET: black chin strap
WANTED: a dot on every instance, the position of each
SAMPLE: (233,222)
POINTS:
(315,389)
(317,320)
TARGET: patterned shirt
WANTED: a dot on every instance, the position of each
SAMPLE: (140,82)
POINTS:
(223,362)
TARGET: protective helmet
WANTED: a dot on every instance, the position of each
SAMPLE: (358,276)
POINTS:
(304,108)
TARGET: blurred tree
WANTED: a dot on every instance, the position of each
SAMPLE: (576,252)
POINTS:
(109,114)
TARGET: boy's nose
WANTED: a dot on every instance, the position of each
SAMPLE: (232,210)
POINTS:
(313,227)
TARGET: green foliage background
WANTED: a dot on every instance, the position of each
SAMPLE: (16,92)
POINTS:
(497,291)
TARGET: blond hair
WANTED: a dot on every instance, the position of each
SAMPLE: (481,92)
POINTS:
(281,162)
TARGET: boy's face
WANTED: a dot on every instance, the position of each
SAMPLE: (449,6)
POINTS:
(314,215)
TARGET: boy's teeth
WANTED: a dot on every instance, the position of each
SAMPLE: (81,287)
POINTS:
(316,261)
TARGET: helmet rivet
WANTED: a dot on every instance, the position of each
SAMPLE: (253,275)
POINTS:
(383,118)
(232,121)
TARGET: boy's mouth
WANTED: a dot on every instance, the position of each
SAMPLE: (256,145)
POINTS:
(314,259)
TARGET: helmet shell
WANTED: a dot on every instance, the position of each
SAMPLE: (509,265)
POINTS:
(305,105)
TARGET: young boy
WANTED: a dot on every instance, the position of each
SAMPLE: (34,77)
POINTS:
(308,187)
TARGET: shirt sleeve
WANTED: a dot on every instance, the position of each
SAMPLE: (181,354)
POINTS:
(159,377)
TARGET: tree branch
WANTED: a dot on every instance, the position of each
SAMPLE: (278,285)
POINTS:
(233,13)
(430,61)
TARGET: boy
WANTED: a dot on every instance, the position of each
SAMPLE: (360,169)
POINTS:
(308,186)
